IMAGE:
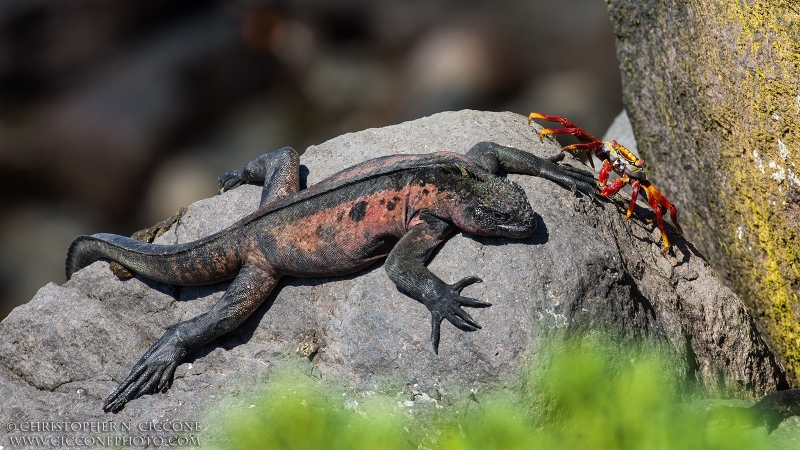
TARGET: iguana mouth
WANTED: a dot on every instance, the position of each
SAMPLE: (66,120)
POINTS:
(518,231)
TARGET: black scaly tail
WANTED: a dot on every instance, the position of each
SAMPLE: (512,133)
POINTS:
(201,262)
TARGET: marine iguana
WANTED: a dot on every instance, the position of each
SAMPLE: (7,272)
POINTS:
(400,207)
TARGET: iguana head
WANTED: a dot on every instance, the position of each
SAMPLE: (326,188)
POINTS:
(496,207)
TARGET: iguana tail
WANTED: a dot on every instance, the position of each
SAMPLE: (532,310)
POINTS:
(201,262)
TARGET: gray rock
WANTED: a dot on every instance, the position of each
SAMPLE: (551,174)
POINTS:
(584,269)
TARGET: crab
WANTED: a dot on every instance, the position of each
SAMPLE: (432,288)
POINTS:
(624,163)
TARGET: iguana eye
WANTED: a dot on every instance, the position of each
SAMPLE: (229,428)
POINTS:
(498,216)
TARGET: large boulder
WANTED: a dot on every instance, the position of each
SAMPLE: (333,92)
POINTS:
(583,269)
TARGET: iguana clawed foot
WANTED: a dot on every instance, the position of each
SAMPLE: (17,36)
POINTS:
(152,373)
(573,178)
(449,306)
(230,179)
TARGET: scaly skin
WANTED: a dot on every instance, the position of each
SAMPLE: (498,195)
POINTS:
(400,206)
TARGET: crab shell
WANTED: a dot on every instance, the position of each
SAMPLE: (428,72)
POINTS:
(623,161)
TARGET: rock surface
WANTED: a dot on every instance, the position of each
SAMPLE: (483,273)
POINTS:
(65,350)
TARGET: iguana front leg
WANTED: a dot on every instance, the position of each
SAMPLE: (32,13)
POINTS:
(155,369)
(493,156)
(405,266)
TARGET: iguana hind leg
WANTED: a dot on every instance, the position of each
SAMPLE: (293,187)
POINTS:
(155,369)
(279,170)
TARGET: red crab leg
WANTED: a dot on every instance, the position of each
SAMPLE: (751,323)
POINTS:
(635,186)
(549,118)
(577,132)
(673,212)
(569,127)
(590,148)
(657,208)
(584,146)
(656,200)
(588,142)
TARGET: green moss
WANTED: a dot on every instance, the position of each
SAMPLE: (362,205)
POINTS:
(769,262)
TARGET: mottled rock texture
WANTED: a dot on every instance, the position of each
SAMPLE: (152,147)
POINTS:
(584,269)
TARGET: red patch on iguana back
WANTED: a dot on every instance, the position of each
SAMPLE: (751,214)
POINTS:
(354,232)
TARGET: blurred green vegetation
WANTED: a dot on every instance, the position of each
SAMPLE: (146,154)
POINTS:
(583,399)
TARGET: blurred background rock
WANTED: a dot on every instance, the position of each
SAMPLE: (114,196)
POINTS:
(114,114)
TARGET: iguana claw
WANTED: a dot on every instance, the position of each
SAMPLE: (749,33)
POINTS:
(449,307)
(152,373)
(230,180)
